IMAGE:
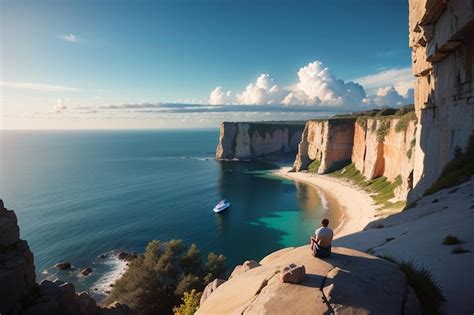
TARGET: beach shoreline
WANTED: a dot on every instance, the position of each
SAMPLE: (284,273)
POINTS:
(355,205)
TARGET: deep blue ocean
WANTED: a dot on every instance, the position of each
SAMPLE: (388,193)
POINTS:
(80,194)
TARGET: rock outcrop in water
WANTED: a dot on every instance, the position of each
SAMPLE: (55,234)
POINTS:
(327,141)
(348,282)
(20,294)
(252,140)
(442,42)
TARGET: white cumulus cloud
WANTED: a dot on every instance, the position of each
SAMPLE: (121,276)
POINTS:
(263,92)
(220,97)
(389,96)
(317,86)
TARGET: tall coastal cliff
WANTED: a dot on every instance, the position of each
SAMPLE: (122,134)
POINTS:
(251,140)
(377,146)
(327,141)
(441,36)
(384,147)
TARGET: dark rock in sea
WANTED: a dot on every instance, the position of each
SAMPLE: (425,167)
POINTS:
(103,256)
(126,256)
(63,266)
(86,272)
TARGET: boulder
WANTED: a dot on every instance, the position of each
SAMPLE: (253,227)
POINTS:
(211,287)
(292,274)
(126,256)
(63,266)
(86,272)
(348,282)
(17,275)
(247,265)
(116,309)
(87,305)
(9,230)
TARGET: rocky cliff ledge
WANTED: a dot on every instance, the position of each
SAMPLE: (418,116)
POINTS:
(348,282)
(329,142)
(251,140)
(19,294)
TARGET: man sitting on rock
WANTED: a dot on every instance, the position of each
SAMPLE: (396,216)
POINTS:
(321,244)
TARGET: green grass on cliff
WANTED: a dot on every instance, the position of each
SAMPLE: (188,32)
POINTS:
(427,290)
(380,188)
(457,171)
(314,166)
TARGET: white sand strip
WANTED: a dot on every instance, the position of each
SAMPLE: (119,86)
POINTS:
(357,206)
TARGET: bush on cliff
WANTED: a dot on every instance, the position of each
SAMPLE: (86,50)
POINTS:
(456,172)
(190,303)
(427,290)
(156,281)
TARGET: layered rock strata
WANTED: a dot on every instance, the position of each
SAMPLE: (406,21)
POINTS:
(348,282)
(252,140)
(385,147)
(442,42)
(327,141)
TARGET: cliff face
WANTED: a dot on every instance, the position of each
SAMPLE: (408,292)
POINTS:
(19,294)
(442,42)
(250,140)
(17,269)
(384,147)
(327,141)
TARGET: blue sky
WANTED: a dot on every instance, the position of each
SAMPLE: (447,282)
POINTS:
(58,56)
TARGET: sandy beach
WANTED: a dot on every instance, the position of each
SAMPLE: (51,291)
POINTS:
(356,205)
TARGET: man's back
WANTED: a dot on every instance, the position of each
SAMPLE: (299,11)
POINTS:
(324,236)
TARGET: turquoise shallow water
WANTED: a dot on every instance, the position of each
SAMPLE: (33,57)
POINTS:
(79,194)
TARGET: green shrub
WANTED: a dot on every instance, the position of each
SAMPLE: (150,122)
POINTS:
(427,290)
(362,122)
(314,166)
(404,121)
(380,188)
(383,130)
(457,171)
(451,240)
(156,281)
(412,147)
(190,303)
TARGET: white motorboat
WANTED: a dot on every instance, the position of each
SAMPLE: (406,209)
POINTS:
(221,206)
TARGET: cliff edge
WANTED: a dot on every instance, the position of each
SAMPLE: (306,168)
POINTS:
(348,282)
(251,140)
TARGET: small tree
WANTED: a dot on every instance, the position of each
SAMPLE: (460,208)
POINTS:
(157,280)
(190,303)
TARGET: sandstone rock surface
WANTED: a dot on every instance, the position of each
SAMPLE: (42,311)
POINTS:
(440,36)
(328,141)
(346,283)
(292,274)
(391,157)
(251,140)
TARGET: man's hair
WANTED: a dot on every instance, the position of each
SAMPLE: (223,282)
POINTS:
(325,222)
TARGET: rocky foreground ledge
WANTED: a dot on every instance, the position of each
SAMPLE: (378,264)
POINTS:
(348,282)
(20,294)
